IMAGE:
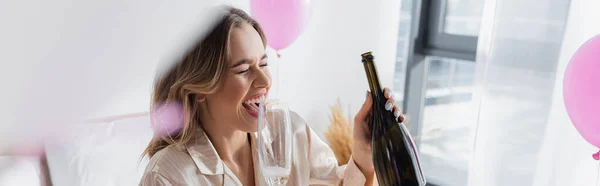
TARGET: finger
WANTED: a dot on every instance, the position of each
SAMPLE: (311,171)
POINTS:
(405,119)
(391,99)
(398,113)
(388,93)
(365,109)
(389,105)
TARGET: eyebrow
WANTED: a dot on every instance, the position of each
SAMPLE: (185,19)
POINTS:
(246,61)
(241,62)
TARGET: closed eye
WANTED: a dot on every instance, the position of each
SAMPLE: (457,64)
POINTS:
(241,72)
(264,58)
(244,62)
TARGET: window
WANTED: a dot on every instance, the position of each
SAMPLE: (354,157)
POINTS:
(463,17)
(444,130)
(449,81)
(435,66)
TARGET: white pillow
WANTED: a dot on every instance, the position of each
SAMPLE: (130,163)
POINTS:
(101,153)
(20,171)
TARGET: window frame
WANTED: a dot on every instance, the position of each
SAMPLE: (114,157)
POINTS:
(442,44)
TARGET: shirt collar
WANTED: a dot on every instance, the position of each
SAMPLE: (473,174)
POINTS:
(204,154)
(207,159)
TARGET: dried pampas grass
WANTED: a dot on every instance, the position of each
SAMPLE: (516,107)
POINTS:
(339,134)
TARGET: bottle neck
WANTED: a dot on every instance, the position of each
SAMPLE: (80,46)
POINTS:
(374,85)
(379,100)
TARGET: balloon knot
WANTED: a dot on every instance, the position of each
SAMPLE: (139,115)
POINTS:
(596,155)
(278,55)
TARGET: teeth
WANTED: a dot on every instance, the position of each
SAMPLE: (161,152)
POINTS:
(255,100)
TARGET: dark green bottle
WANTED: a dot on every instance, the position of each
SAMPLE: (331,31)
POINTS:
(395,156)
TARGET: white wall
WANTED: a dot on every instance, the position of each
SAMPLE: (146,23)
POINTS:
(565,157)
(325,63)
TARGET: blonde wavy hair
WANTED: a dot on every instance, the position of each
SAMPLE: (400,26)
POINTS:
(200,71)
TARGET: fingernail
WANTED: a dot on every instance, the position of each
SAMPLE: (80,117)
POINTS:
(388,106)
(367,95)
(389,94)
(397,113)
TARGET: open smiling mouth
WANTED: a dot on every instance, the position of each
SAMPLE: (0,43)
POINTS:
(251,105)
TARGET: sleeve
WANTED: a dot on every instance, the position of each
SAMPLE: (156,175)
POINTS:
(324,165)
(324,168)
(353,175)
(154,179)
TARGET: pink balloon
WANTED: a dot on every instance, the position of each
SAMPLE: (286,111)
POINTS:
(167,119)
(281,20)
(581,90)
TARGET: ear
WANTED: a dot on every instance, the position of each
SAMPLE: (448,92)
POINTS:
(200,98)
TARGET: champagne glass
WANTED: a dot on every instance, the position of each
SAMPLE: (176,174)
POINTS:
(274,142)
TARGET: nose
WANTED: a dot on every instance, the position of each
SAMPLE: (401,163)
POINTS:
(263,79)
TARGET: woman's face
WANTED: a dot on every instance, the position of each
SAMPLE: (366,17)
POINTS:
(247,82)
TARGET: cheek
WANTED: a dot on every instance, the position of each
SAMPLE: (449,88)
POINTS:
(268,73)
(235,89)
(271,80)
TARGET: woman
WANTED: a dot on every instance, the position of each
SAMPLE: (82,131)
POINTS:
(215,82)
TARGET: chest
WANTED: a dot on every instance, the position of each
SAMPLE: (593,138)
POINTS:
(233,176)
(299,174)
(244,173)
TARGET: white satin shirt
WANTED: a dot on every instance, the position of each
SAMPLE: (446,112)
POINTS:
(199,164)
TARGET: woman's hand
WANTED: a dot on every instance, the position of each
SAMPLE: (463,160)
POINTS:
(361,151)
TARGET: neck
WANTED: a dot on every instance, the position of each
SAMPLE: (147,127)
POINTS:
(231,144)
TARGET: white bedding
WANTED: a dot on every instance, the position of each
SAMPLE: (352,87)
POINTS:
(19,171)
(101,154)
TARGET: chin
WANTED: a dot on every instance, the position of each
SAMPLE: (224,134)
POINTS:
(248,121)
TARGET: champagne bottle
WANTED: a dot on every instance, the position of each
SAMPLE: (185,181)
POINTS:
(394,154)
